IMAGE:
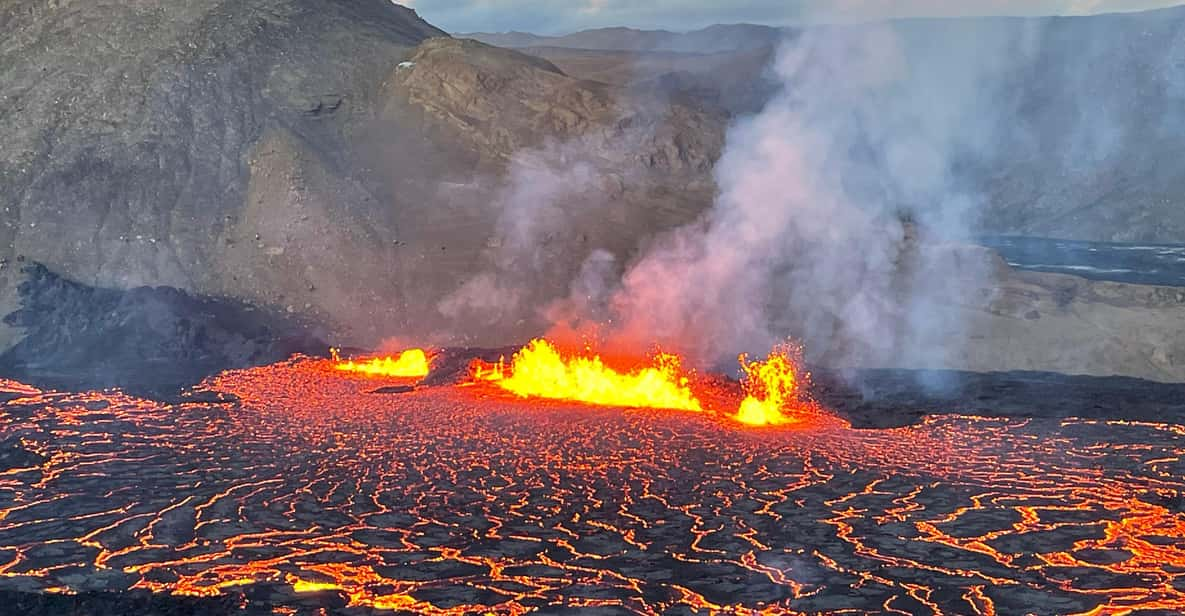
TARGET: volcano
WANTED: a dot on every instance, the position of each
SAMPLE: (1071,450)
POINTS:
(312,308)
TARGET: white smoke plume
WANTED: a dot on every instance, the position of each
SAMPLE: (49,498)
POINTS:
(820,196)
(808,235)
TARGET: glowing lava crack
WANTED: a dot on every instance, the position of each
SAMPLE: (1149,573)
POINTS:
(300,487)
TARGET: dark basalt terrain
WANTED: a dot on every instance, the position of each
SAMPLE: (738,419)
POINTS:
(891,398)
(140,603)
(150,340)
(303,490)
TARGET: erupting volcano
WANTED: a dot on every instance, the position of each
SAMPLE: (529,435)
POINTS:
(931,411)
(772,387)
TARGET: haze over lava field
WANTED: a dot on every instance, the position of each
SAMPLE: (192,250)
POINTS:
(297,487)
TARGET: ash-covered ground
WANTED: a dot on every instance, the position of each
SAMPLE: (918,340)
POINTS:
(292,487)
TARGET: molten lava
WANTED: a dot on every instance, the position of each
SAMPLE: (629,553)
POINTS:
(412,363)
(540,370)
(772,386)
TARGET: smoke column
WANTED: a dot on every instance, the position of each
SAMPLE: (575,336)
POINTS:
(836,203)
(818,193)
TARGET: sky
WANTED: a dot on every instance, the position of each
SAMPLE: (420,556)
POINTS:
(565,16)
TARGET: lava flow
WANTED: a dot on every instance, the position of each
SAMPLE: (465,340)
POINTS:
(292,486)
(773,387)
(412,363)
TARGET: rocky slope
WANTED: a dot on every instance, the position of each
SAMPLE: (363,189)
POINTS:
(1020,320)
(345,163)
(278,151)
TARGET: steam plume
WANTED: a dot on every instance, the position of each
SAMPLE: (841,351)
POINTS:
(807,237)
(820,195)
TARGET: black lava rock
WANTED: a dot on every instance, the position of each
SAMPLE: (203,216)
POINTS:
(148,340)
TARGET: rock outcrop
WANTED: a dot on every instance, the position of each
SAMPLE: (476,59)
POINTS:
(998,319)
(309,157)
(149,340)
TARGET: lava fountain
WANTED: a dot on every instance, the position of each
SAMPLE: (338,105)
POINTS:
(412,363)
(773,387)
(539,370)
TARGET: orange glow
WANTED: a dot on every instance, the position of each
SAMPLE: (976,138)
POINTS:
(412,363)
(305,586)
(953,514)
(540,370)
(771,386)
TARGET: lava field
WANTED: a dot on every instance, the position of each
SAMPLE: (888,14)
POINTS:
(294,488)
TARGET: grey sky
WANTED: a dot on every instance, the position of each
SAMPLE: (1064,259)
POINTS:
(563,16)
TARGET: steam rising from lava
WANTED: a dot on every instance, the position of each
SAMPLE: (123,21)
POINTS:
(811,237)
(808,236)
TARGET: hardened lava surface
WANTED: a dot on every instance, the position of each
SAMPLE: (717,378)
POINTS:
(303,491)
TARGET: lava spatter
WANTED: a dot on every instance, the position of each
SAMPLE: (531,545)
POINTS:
(774,389)
(540,370)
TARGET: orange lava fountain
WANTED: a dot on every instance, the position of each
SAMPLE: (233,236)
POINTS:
(540,370)
(772,386)
(412,363)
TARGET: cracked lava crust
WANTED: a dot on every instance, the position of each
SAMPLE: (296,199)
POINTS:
(307,487)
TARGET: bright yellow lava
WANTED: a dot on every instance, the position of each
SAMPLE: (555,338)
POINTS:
(305,586)
(771,386)
(539,370)
(412,363)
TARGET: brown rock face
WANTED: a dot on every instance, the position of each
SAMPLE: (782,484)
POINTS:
(1060,323)
(500,102)
(307,157)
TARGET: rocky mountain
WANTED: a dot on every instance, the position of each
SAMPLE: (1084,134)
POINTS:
(348,164)
(331,158)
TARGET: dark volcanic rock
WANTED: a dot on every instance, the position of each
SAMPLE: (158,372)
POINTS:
(13,454)
(154,338)
(889,398)
(115,604)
